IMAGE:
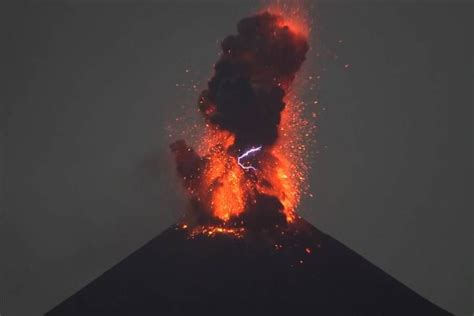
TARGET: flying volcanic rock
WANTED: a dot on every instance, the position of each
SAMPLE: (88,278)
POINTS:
(295,271)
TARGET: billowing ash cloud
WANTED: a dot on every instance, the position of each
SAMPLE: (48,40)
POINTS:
(245,96)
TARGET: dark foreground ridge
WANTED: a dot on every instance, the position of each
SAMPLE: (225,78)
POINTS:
(283,272)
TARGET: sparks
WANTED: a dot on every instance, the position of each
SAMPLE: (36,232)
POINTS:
(245,154)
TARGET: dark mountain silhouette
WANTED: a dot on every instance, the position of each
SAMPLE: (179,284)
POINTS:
(286,271)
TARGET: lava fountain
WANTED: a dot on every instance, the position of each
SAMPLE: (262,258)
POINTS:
(248,171)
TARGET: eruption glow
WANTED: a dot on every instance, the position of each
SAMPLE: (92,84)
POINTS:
(249,101)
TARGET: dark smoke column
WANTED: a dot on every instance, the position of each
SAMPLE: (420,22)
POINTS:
(246,94)
(245,98)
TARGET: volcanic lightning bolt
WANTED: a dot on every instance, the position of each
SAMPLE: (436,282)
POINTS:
(249,101)
(246,154)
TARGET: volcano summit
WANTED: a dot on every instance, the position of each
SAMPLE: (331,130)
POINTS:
(287,272)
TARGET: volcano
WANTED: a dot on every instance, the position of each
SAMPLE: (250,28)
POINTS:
(297,269)
(241,247)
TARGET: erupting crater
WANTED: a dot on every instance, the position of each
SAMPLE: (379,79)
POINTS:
(249,169)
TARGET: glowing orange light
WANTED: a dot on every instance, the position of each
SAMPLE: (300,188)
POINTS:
(292,16)
(212,231)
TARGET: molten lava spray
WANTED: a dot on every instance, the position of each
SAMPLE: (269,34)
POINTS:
(247,171)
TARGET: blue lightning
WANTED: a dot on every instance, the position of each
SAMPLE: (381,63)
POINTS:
(245,154)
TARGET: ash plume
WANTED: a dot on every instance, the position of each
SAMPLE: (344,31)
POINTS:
(245,98)
(246,94)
